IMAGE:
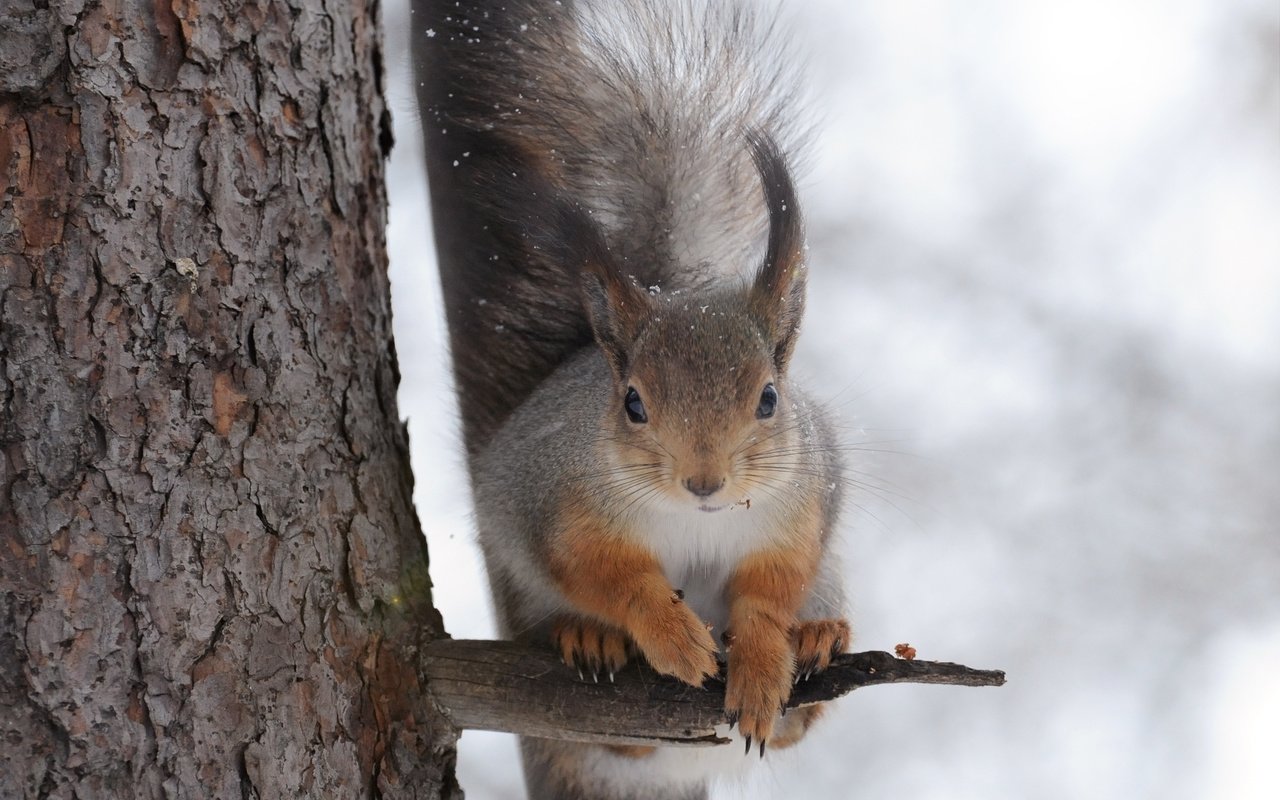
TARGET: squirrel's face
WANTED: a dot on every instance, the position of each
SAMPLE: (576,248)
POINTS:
(700,408)
(701,418)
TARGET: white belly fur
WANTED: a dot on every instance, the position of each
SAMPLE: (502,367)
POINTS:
(699,550)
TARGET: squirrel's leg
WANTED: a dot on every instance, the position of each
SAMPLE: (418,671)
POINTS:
(766,592)
(822,632)
(815,642)
(608,578)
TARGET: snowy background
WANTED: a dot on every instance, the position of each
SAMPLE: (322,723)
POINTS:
(1045,302)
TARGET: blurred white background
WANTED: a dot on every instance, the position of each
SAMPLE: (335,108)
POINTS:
(1045,302)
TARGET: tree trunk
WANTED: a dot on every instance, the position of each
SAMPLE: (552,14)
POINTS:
(212,581)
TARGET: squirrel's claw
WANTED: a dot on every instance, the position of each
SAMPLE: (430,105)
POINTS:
(815,643)
(590,647)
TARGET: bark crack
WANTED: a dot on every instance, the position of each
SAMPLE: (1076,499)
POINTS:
(248,791)
(327,147)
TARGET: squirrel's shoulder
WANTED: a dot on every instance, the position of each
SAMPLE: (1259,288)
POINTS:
(556,427)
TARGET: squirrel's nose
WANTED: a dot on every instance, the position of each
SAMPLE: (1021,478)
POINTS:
(703,485)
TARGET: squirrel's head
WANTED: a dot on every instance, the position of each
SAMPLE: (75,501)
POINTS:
(701,411)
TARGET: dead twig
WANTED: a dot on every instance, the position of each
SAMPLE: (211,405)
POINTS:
(512,687)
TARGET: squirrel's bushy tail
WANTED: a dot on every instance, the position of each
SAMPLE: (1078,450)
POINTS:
(633,112)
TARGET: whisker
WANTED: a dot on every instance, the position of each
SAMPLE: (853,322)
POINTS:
(625,469)
(816,471)
(535,623)
(640,496)
(749,441)
(843,448)
(885,493)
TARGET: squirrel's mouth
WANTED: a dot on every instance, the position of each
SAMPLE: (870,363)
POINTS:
(711,509)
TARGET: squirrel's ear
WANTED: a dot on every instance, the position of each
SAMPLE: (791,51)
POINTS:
(778,292)
(615,305)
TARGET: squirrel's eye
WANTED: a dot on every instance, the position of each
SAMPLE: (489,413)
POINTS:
(634,406)
(768,402)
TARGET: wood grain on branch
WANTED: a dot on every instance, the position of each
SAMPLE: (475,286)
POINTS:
(516,688)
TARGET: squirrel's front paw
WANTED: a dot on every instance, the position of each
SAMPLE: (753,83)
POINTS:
(676,642)
(591,646)
(816,642)
(759,683)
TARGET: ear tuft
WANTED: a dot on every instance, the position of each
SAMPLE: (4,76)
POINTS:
(616,308)
(615,305)
(778,291)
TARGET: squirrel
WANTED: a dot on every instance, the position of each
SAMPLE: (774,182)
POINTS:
(622,259)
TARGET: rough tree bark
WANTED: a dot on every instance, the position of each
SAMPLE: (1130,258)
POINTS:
(212,581)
